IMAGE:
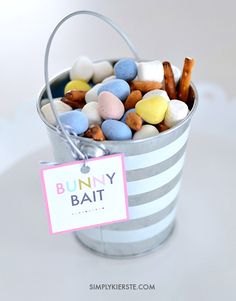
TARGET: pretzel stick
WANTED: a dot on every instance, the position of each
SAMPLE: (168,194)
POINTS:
(145,86)
(169,80)
(132,99)
(75,104)
(162,127)
(75,99)
(185,79)
(95,132)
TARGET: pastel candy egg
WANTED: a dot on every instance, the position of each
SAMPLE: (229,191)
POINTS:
(126,69)
(82,69)
(116,130)
(79,85)
(151,71)
(75,121)
(101,70)
(118,87)
(92,94)
(177,73)
(110,106)
(157,92)
(60,107)
(152,109)
(125,115)
(177,110)
(146,131)
(91,111)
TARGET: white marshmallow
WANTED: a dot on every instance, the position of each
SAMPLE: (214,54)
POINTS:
(176,72)
(107,79)
(91,95)
(157,92)
(91,111)
(146,131)
(82,69)
(177,110)
(60,107)
(151,71)
(101,71)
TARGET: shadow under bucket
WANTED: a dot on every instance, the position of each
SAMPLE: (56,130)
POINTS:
(153,170)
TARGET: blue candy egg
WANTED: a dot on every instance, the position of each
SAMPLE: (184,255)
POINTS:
(118,87)
(126,69)
(116,130)
(124,116)
(75,121)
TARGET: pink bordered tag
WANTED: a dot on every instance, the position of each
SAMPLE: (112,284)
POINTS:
(82,195)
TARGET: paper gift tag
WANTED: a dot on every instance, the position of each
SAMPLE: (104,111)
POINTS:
(77,200)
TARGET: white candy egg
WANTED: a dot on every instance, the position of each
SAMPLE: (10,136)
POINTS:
(101,71)
(82,69)
(91,95)
(91,111)
(146,131)
(177,110)
(60,107)
(107,79)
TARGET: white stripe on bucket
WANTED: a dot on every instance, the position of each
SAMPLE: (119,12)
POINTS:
(157,156)
(151,183)
(130,236)
(155,206)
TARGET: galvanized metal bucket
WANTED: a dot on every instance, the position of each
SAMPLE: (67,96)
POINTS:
(153,169)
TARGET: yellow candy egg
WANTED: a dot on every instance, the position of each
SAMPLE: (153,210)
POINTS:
(152,109)
(79,85)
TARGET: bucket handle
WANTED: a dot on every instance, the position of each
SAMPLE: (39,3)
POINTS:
(76,152)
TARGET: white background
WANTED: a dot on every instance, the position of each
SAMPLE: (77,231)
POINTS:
(198,262)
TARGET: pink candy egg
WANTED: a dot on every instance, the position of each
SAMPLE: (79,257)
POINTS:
(110,106)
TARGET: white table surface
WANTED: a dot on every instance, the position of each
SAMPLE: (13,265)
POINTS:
(197,263)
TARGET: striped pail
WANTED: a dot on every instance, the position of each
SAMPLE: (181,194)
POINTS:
(153,169)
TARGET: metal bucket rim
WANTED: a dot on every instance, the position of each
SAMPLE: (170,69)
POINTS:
(112,142)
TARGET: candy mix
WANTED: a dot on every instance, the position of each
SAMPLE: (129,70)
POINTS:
(130,100)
